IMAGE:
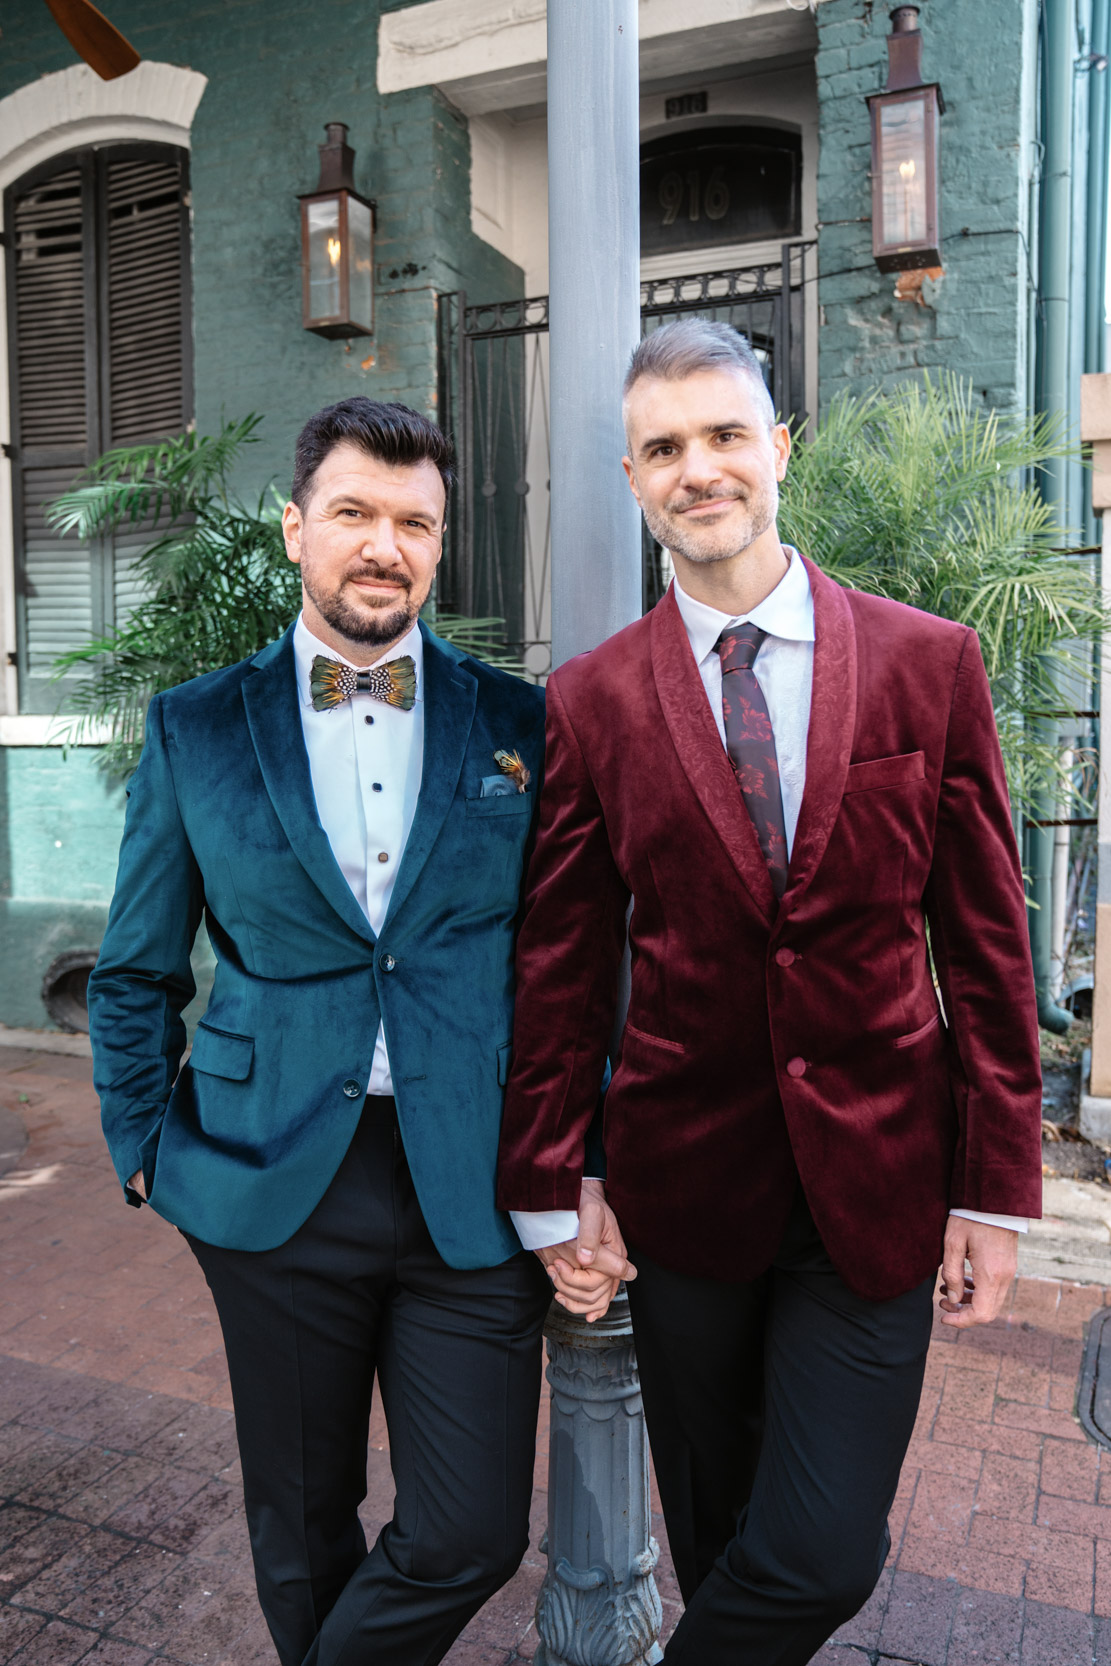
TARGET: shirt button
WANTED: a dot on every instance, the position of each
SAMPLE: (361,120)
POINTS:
(796,1067)
(376,786)
(368,718)
(387,963)
(383,856)
(785,957)
(351,1088)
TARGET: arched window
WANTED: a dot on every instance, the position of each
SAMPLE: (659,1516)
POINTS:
(100,355)
(719,185)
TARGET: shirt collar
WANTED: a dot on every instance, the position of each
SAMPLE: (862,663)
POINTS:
(788,612)
(306,646)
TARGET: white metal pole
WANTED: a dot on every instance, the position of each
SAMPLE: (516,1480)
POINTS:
(594,284)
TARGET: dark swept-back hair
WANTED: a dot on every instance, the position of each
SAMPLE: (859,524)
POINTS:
(389,432)
(691,344)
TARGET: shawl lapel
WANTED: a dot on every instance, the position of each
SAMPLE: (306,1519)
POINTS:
(830,737)
(704,759)
(450,697)
(274,719)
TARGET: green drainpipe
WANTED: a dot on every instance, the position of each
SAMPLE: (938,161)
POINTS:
(1054,396)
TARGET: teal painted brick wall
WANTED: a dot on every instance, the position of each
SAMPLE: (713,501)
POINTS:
(976,322)
(66,818)
(277,71)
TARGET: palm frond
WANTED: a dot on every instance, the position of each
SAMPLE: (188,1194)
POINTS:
(927,496)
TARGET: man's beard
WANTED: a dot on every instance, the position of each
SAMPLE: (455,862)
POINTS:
(712,543)
(377,622)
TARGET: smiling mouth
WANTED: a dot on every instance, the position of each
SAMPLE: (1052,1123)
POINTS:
(712,507)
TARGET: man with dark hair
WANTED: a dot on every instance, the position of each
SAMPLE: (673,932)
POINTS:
(349,810)
(790,781)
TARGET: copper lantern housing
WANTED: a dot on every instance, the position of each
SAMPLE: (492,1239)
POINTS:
(337,246)
(905,189)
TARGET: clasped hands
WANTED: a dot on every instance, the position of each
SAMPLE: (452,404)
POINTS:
(586,1272)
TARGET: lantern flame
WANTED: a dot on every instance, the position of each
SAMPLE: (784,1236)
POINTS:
(907,170)
(334,249)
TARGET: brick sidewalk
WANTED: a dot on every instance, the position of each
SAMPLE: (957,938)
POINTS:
(121,1533)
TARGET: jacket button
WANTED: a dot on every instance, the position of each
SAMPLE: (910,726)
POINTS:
(785,957)
(351,1088)
(387,963)
(796,1067)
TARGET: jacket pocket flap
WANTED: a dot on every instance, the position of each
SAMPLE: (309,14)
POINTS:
(500,804)
(219,1053)
(886,772)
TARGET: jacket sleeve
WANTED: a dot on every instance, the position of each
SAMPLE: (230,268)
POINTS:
(142,981)
(980,942)
(568,960)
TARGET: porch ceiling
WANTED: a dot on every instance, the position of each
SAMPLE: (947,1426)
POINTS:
(491,54)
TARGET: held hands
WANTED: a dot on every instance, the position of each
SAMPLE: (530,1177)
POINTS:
(138,1184)
(992,1252)
(585,1274)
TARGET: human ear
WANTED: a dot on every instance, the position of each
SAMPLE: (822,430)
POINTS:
(630,475)
(292,523)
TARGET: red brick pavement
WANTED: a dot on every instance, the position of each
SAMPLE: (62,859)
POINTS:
(121,1532)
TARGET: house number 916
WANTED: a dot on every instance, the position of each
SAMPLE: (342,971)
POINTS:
(711,200)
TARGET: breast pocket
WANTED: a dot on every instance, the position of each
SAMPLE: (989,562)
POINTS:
(902,770)
(500,804)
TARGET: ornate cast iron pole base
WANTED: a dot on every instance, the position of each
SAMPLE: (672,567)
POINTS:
(598,1605)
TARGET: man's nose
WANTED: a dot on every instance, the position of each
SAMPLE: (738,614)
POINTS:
(380,543)
(700,468)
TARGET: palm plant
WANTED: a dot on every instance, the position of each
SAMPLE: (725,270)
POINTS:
(924,496)
(217,584)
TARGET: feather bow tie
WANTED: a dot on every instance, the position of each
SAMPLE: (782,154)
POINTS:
(332,683)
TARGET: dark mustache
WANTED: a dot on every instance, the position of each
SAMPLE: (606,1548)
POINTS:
(385,575)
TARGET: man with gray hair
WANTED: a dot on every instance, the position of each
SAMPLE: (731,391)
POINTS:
(790,781)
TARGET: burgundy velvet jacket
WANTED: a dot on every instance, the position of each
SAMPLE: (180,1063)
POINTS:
(768,1040)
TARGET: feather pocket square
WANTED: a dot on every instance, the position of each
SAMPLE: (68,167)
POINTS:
(514,768)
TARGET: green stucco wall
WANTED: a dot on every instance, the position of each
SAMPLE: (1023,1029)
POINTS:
(277,71)
(977,320)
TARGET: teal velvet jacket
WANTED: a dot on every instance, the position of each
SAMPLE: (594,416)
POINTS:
(239,1147)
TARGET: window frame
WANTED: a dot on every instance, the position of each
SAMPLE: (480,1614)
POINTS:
(92,162)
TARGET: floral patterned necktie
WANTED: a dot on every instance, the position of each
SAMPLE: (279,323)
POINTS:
(750,744)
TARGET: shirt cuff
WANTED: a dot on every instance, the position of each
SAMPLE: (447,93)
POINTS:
(1012,1223)
(540,1228)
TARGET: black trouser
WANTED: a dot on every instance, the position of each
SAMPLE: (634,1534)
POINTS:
(360,1291)
(779,1413)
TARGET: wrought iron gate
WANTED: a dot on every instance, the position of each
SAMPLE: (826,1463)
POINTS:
(494,399)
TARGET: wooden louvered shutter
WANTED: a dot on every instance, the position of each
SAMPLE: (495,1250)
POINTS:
(99,327)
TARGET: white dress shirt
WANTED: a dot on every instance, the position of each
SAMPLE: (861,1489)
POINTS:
(366,760)
(784,668)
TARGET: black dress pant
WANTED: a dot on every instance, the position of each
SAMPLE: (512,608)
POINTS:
(358,1292)
(779,1413)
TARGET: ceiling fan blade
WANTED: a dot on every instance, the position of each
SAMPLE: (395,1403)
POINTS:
(94,38)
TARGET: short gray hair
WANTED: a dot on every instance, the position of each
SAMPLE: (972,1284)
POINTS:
(677,350)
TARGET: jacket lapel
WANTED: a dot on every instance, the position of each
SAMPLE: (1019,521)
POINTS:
(450,695)
(830,736)
(704,759)
(274,719)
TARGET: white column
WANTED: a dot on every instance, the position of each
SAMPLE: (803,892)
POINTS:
(594,285)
